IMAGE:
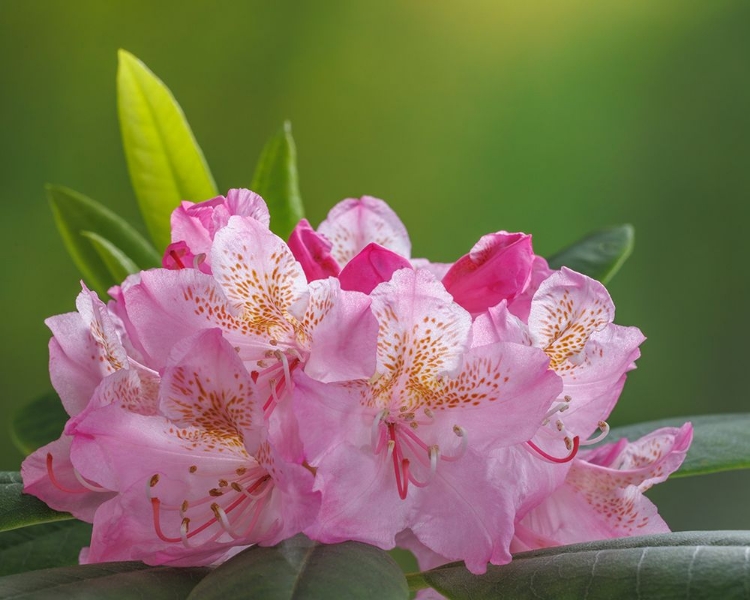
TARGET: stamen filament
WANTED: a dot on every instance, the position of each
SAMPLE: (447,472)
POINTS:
(603,432)
(573,451)
(87,485)
(461,433)
(55,482)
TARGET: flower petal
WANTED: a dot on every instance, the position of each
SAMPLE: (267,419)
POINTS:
(354,223)
(371,267)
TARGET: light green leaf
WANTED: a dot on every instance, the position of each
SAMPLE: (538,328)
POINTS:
(38,423)
(43,546)
(75,213)
(695,565)
(18,509)
(276,181)
(599,255)
(720,442)
(165,163)
(120,581)
(299,568)
(119,265)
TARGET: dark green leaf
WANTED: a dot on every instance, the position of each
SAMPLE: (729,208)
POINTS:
(121,581)
(18,509)
(276,180)
(599,255)
(301,569)
(43,546)
(720,442)
(75,213)
(695,565)
(165,163)
(118,263)
(38,423)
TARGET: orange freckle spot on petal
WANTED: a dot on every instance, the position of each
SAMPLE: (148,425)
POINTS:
(193,469)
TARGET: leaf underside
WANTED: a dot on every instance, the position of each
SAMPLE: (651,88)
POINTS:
(696,565)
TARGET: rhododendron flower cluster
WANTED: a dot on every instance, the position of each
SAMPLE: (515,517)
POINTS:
(253,389)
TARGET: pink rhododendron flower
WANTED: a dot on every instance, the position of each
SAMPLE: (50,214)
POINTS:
(195,225)
(602,496)
(410,448)
(196,479)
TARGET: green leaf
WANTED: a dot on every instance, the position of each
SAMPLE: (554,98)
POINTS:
(75,213)
(720,442)
(599,255)
(165,163)
(18,509)
(276,181)
(38,423)
(696,565)
(299,568)
(121,581)
(119,265)
(43,546)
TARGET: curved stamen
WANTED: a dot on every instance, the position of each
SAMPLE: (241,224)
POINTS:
(433,469)
(572,445)
(603,431)
(89,486)
(55,482)
(461,433)
(199,259)
(176,259)
(557,408)
(285,365)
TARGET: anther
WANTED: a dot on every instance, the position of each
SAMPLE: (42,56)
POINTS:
(571,445)
(603,431)
(154,480)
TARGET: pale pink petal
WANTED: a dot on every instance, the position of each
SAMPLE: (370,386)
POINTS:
(313,251)
(49,475)
(565,311)
(423,332)
(354,223)
(463,515)
(244,203)
(594,384)
(603,494)
(86,347)
(499,398)
(497,268)
(259,276)
(498,324)
(342,333)
(205,384)
(371,267)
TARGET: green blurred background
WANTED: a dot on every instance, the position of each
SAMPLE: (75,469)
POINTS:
(554,118)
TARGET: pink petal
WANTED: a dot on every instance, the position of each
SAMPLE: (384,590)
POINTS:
(371,267)
(206,384)
(497,268)
(497,324)
(86,347)
(565,311)
(343,333)
(437,269)
(313,251)
(63,491)
(418,319)
(259,276)
(352,224)
(601,501)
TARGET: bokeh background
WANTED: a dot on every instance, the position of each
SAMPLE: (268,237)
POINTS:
(554,118)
